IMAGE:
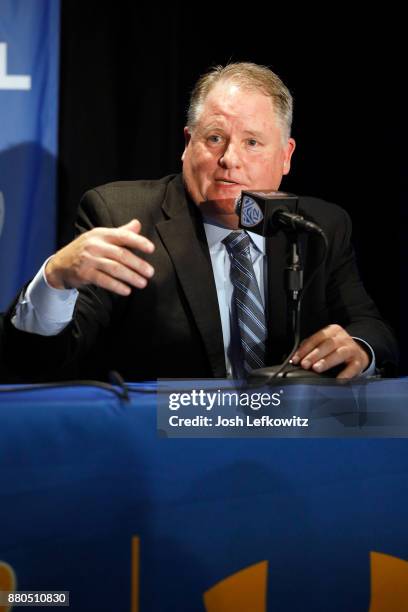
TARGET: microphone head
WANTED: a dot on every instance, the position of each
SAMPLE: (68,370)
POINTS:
(256,209)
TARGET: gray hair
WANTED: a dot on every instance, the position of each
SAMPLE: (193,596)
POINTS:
(251,77)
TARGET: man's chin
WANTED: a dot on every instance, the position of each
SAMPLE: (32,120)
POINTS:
(221,210)
(225,206)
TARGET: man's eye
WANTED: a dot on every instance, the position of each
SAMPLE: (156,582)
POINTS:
(252,142)
(214,138)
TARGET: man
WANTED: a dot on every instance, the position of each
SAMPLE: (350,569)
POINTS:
(152,264)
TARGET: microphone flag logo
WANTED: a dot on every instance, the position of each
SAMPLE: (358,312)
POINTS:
(251,214)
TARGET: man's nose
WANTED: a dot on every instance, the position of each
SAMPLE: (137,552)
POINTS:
(230,157)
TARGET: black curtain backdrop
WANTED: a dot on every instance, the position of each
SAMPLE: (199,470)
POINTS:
(127,70)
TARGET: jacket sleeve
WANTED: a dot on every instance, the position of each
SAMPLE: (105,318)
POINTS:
(32,357)
(349,303)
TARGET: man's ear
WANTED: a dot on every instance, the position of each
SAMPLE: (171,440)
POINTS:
(187,138)
(290,147)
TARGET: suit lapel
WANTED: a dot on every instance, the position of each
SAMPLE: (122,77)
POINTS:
(184,237)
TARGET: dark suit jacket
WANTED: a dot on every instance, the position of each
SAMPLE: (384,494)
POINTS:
(172,328)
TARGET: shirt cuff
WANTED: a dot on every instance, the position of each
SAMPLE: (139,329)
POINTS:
(41,309)
(370,369)
(56,305)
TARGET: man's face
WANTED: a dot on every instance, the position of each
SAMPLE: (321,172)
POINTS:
(236,145)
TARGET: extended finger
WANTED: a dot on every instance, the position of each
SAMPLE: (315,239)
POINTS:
(319,352)
(111,284)
(119,272)
(123,256)
(134,225)
(343,354)
(125,237)
(309,344)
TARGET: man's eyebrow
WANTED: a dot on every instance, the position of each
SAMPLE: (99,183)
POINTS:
(212,126)
(253,133)
(216,125)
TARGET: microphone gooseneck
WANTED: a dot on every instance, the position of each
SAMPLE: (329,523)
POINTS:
(281,217)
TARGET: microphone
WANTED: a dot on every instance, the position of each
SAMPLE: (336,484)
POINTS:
(264,212)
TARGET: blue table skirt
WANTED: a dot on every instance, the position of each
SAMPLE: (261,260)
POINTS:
(84,473)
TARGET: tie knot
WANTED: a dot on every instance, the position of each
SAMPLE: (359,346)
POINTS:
(237,243)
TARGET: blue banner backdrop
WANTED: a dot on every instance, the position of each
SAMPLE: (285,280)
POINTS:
(29,63)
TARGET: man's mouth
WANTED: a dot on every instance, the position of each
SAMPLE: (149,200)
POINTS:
(226,182)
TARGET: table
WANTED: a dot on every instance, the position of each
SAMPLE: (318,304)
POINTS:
(94,502)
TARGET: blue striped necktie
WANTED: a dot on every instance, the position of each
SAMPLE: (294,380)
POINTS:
(247,301)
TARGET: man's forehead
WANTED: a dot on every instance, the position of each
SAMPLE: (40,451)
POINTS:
(230,100)
(244,121)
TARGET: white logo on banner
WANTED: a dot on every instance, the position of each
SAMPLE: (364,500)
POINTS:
(2,212)
(11,81)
